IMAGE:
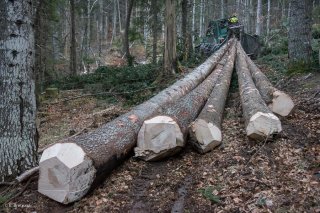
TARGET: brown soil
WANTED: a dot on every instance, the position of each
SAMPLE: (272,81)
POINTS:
(278,175)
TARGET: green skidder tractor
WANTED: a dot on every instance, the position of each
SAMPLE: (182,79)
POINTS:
(219,31)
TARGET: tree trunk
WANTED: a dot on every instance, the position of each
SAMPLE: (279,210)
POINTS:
(170,52)
(184,9)
(268,19)
(205,131)
(100,151)
(165,135)
(259,18)
(154,11)
(200,18)
(222,9)
(18,137)
(88,34)
(193,21)
(126,34)
(299,36)
(260,122)
(73,45)
(278,101)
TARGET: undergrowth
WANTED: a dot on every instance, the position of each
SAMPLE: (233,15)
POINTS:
(135,84)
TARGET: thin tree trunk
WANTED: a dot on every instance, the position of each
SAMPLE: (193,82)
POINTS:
(268,19)
(154,30)
(126,34)
(18,136)
(114,21)
(259,18)
(88,28)
(184,8)
(193,21)
(200,19)
(73,45)
(221,9)
(170,53)
(119,15)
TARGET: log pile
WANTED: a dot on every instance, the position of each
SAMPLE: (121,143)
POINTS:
(260,122)
(278,101)
(163,131)
(102,150)
(193,106)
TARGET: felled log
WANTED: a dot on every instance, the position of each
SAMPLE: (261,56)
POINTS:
(92,156)
(278,101)
(205,131)
(159,136)
(260,122)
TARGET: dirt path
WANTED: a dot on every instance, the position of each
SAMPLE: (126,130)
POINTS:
(280,175)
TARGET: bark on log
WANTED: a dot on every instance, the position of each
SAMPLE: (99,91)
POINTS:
(158,138)
(260,121)
(278,101)
(95,154)
(205,131)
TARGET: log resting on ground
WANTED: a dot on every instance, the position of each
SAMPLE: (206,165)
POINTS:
(103,149)
(260,122)
(205,131)
(278,101)
(158,138)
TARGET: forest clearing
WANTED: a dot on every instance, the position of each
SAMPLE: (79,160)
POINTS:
(223,116)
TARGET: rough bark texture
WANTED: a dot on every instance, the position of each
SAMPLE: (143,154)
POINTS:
(278,101)
(205,132)
(170,52)
(259,121)
(299,36)
(109,145)
(18,141)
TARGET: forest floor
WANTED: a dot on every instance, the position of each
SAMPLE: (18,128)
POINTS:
(278,175)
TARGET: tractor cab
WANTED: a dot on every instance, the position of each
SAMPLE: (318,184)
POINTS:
(219,31)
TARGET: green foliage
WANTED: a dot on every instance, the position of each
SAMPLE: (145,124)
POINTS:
(135,35)
(316,14)
(298,67)
(207,193)
(278,43)
(316,31)
(88,60)
(122,81)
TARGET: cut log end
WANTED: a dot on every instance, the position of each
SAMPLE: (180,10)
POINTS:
(158,138)
(262,125)
(66,173)
(205,136)
(281,104)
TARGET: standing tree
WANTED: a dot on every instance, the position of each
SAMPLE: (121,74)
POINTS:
(73,45)
(170,52)
(126,34)
(18,137)
(184,9)
(154,11)
(259,18)
(299,37)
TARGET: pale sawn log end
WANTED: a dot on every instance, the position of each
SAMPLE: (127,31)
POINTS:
(66,173)
(263,125)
